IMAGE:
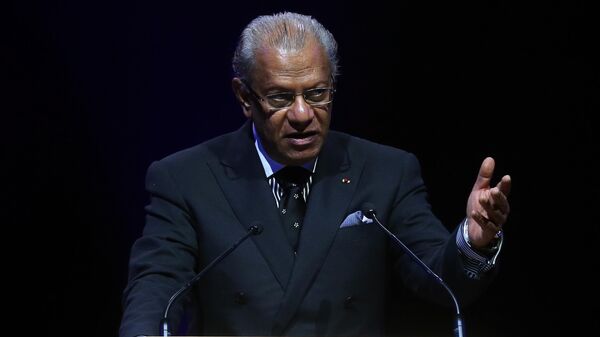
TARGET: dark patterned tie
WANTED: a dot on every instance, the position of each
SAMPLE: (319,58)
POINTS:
(292,207)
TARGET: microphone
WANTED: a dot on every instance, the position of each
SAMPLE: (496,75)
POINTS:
(369,211)
(254,229)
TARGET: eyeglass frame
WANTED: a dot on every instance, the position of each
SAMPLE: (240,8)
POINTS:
(314,105)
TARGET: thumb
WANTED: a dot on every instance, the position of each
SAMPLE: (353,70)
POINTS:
(485,174)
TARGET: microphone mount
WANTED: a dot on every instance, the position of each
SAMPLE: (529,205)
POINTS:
(370,213)
(254,229)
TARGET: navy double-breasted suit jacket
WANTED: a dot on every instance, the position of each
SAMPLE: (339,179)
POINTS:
(204,198)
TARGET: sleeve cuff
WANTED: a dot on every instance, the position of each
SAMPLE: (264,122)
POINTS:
(475,263)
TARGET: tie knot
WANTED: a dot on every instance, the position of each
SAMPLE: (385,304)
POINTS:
(292,175)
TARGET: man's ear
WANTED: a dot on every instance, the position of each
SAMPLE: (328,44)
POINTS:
(242,95)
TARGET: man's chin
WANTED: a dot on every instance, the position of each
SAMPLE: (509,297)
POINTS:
(298,158)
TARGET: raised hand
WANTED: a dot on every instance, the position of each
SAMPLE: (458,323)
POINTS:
(487,207)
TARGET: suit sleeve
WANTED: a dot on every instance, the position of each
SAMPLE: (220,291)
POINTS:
(162,260)
(415,224)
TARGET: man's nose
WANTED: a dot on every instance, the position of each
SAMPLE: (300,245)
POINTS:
(300,113)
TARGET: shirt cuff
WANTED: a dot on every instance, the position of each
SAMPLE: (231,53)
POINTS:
(476,263)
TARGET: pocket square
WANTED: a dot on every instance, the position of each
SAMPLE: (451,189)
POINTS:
(355,219)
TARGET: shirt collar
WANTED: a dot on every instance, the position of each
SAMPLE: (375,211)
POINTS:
(269,164)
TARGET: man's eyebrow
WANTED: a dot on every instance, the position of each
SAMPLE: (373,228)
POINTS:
(276,88)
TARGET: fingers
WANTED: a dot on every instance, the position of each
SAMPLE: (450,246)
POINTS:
(498,200)
(488,206)
(495,205)
(487,225)
(504,185)
(485,174)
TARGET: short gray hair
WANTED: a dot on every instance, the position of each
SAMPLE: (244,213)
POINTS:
(287,31)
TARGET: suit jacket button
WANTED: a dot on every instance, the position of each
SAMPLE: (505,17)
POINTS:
(348,302)
(240,297)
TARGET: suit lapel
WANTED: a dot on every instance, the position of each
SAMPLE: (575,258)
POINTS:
(242,179)
(332,189)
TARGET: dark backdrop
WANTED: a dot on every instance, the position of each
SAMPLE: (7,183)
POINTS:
(98,90)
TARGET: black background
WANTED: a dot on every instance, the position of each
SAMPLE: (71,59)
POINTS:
(98,90)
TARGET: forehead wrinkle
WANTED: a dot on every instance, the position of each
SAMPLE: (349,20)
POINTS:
(307,77)
(281,68)
(300,72)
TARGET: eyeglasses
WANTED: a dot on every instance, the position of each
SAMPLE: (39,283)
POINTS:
(316,97)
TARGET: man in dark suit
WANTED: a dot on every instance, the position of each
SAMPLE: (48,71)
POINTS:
(323,270)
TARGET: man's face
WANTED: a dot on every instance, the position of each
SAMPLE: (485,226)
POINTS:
(292,135)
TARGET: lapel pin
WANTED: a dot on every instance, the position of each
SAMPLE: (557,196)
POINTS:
(346,180)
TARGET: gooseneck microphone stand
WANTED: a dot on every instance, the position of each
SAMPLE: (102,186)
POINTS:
(369,212)
(164,323)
